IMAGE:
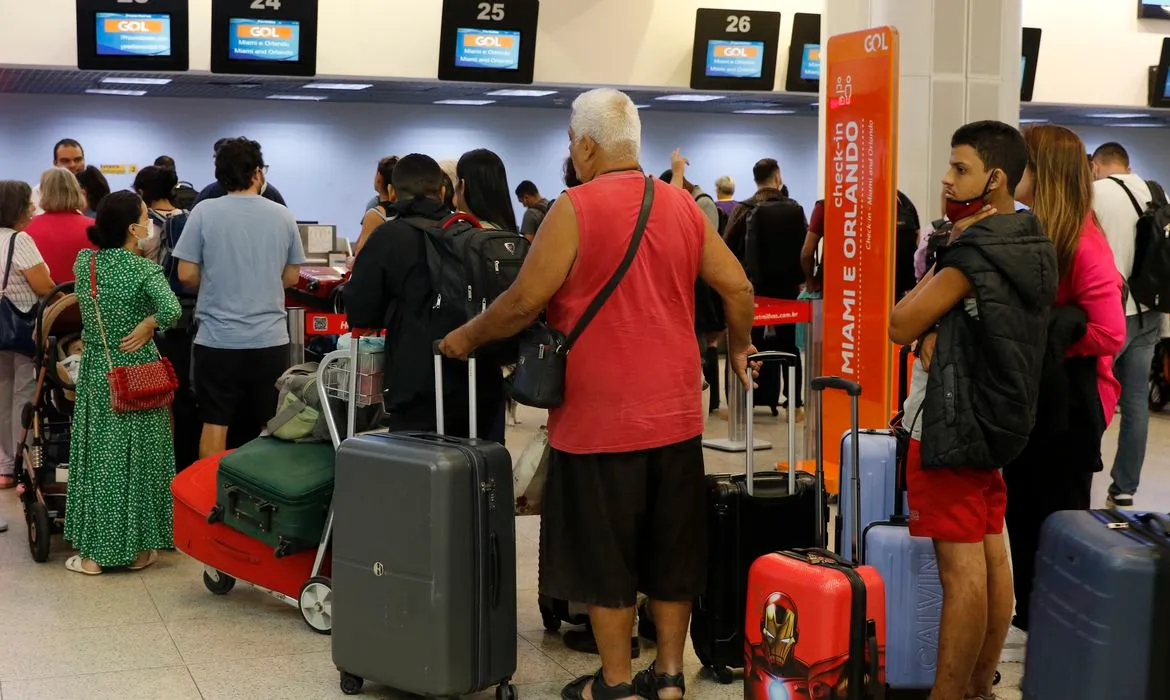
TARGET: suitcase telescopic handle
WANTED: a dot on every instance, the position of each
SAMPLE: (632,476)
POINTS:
(789,360)
(820,384)
(473,412)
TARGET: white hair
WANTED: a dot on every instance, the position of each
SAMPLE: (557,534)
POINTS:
(449,166)
(610,118)
(725,185)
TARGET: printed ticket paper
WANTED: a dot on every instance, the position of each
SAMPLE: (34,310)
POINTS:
(860,191)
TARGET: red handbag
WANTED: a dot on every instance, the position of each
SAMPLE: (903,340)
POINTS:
(139,387)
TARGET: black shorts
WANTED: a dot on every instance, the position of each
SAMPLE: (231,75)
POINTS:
(617,524)
(237,388)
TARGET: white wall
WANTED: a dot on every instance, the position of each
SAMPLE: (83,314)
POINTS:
(323,156)
(612,42)
(1094,51)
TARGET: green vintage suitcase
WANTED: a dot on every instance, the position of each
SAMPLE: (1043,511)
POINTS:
(277,492)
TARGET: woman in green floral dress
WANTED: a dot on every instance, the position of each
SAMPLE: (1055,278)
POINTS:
(119,512)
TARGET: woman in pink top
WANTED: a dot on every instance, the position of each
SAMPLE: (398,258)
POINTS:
(60,233)
(1078,393)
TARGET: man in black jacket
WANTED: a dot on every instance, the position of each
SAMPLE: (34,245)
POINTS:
(982,314)
(391,288)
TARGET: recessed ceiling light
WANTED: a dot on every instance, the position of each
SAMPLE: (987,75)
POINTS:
(299,98)
(521,93)
(1033,121)
(120,93)
(466,103)
(1142,125)
(642,106)
(765,111)
(689,97)
(136,81)
(1118,115)
(338,86)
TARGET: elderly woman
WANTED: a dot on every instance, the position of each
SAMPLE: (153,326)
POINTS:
(121,464)
(25,279)
(60,232)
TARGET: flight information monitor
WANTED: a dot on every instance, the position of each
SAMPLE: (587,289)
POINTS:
(1154,9)
(488,42)
(1029,58)
(151,38)
(735,50)
(264,37)
(804,54)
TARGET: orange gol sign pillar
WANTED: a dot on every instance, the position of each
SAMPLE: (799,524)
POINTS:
(860,194)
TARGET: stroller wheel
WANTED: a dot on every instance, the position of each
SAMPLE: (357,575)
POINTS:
(40,531)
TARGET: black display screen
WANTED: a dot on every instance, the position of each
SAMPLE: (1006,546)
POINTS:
(147,35)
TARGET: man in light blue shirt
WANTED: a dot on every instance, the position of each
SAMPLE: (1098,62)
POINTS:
(241,251)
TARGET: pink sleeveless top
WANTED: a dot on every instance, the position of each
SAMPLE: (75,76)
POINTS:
(634,379)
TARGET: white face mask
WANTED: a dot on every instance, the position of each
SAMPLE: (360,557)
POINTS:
(147,242)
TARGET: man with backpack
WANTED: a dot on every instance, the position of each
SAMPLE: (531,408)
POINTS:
(767,233)
(1126,205)
(535,208)
(397,284)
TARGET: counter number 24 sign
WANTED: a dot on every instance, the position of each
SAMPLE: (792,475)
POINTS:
(256,4)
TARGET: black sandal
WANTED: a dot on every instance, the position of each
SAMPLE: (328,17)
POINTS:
(575,690)
(649,683)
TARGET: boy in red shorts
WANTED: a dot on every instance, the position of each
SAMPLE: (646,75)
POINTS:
(981,318)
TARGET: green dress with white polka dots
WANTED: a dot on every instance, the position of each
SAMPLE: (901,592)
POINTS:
(121,464)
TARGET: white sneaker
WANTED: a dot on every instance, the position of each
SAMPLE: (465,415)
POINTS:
(1123,501)
(1014,646)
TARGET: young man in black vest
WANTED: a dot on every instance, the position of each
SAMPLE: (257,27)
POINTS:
(980,318)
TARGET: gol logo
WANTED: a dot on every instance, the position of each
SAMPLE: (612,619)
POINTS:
(133,26)
(491,41)
(814,54)
(727,51)
(261,31)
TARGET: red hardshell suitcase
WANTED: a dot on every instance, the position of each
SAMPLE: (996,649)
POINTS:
(318,288)
(815,625)
(230,555)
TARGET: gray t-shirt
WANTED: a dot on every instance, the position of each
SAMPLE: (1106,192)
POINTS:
(242,244)
(534,217)
(918,380)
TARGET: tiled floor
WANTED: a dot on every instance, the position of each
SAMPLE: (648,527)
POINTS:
(159,635)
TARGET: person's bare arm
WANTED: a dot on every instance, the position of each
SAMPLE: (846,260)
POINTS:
(917,313)
(189,274)
(371,222)
(722,271)
(290,275)
(548,263)
(808,254)
(39,279)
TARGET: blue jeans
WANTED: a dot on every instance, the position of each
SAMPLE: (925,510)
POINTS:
(1132,369)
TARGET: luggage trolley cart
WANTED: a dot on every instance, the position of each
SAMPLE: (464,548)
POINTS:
(301,580)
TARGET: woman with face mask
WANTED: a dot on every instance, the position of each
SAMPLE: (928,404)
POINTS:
(1078,393)
(121,463)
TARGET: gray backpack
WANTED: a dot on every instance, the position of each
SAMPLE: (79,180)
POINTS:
(299,417)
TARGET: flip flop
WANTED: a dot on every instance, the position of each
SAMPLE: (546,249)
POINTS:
(151,558)
(74,564)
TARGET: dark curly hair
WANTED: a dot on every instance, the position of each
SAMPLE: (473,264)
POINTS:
(236,163)
(114,216)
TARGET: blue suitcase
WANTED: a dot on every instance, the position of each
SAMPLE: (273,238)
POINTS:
(879,465)
(1100,625)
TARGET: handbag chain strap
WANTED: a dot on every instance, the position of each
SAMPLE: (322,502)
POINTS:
(608,289)
(93,293)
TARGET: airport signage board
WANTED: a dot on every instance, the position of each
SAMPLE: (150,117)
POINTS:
(132,35)
(264,37)
(861,165)
(735,50)
(488,41)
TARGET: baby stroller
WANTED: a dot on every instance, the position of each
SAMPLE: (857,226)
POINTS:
(42,465)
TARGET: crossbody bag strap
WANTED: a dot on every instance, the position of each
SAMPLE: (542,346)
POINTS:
(93,294)
(1129,193)
(631,252)
(8,265)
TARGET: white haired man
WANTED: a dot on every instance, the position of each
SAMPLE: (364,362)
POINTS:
(624,506)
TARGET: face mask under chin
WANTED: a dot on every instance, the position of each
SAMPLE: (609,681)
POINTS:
(959,209)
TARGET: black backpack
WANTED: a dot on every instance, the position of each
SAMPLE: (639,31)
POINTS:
(184,196)
(906,234)
(723,217)
(470,266)
(1149,282)
(752,263)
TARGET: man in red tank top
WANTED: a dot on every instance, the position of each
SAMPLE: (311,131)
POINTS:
(624,504)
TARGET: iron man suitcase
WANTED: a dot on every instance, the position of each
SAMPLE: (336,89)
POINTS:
(815,624)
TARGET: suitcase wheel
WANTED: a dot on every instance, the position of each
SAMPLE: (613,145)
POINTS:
(506,691)
(218,582)
(351,684)
(316,604)
(552,623)
(722,674)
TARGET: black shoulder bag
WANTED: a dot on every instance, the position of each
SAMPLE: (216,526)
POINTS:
(16,326)
(539,378)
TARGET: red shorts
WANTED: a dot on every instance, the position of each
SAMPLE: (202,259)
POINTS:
(954,505)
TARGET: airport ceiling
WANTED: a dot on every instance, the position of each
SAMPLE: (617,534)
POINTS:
(418,92)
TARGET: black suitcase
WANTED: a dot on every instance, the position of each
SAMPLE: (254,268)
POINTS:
(424,562)
(748,516)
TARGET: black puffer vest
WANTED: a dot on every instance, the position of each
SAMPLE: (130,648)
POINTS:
(984,381)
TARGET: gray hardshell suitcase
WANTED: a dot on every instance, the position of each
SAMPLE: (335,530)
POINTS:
(1100,624)
(424,562)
